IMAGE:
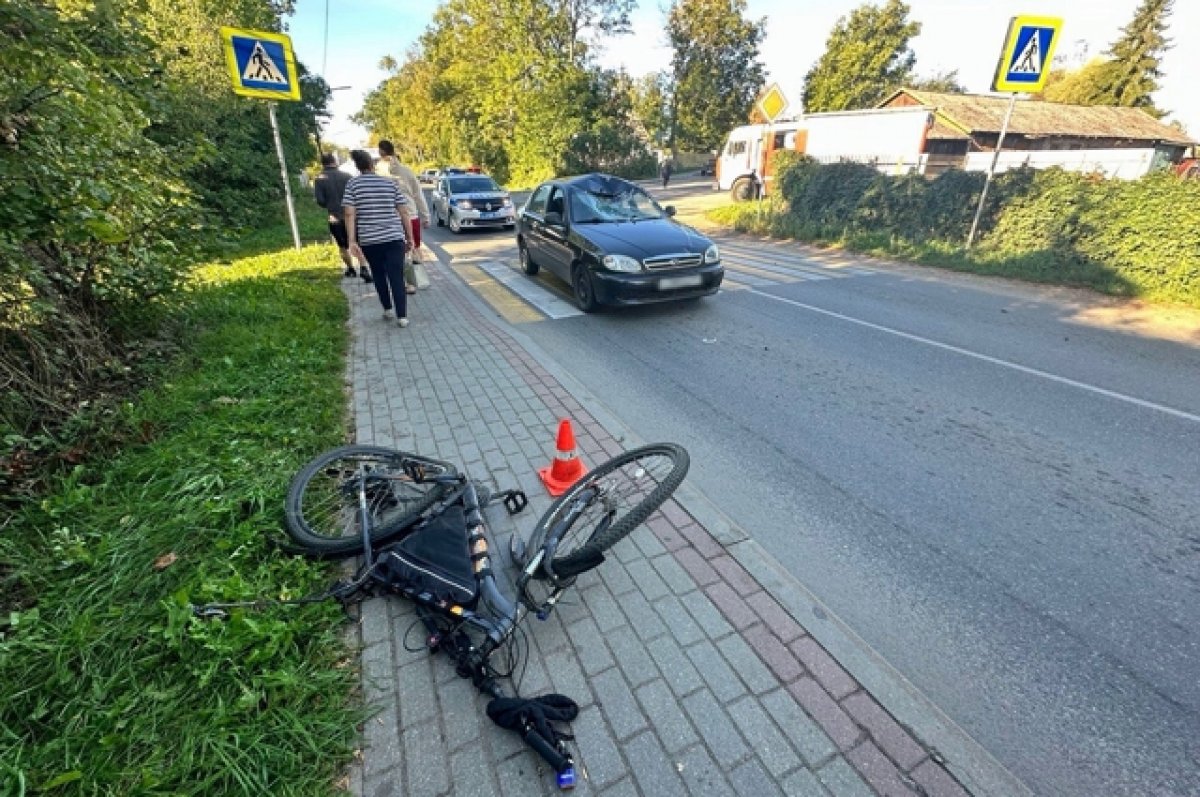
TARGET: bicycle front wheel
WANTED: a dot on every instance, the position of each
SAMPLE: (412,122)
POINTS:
(322,503)
(608,503)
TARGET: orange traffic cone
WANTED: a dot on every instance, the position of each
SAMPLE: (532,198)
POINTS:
(567,467)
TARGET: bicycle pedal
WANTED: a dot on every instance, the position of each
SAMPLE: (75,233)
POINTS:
(566,778)
(515,501)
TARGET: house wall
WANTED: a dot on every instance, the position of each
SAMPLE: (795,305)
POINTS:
(1128,164)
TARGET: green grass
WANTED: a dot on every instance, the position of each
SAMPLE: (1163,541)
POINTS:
(1045,267)
(110,685)
(276,233)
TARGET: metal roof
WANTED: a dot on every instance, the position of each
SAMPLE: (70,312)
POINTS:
(961,115)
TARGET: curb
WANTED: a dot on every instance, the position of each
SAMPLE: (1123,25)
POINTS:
(974,767)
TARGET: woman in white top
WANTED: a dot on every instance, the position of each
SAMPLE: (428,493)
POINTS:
(377,220)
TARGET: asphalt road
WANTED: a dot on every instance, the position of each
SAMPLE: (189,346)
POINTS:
(999,495)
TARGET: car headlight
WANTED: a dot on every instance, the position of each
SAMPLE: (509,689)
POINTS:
(507,202)
(712,254)
(462,204)
(621,263)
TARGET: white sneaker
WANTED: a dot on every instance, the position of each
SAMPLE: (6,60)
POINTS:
(388,315)
(402,322)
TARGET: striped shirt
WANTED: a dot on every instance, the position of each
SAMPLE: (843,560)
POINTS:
(374,199)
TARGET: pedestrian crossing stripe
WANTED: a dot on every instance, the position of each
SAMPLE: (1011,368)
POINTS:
(523,299)
(1026,57)
(261,64)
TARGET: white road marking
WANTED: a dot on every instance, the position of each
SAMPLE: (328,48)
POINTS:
(1025,369)
(529,290)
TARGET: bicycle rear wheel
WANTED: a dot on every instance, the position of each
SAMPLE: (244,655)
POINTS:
(608,503)
(322,501)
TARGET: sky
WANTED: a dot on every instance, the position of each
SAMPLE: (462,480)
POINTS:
(963,35)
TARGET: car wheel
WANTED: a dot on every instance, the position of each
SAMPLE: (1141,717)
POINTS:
(452,220)
(527,264)
(585,292)
(437,217)
(743,190)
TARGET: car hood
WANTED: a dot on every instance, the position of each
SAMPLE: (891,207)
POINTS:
(642,239)
(481,195)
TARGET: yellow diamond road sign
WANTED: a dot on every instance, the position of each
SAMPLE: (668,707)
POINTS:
(261,64)
(1028,49)
(773,103)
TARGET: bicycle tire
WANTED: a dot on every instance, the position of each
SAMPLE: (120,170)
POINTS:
(675,463)
(322,513)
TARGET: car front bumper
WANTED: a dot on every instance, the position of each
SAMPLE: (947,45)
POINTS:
(479,218)
(664,286)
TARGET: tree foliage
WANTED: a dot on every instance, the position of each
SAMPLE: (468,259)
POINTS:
(118,136)
(867,56)
(650,101)
(943,82)
(1129,75)
(715,71)
(1135,69)
(510,85)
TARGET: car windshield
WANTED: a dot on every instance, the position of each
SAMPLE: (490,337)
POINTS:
(471,185)
(612,201)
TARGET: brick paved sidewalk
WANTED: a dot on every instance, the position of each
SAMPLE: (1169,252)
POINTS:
(691,677)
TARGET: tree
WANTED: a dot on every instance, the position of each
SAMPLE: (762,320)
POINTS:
(223,141)
(1129,75)
(509,85)
(943,82)
(866,57)
(715,70)
(650,105)
(1083,86)
(1132,76)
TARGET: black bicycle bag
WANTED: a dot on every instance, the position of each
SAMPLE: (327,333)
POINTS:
(433,563)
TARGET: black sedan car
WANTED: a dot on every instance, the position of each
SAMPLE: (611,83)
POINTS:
(613,244)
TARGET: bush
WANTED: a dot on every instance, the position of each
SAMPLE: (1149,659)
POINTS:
(1138,237)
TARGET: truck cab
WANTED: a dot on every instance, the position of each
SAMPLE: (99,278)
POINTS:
(743,164)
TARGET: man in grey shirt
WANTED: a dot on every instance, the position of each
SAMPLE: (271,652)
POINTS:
(330,187)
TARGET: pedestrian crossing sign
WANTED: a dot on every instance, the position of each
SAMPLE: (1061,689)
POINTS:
(1028,50)
(261,64)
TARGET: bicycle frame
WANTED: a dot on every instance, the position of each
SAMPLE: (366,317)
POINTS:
(505,616)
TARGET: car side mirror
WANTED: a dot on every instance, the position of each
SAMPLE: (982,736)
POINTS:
(554,218)
(669,210)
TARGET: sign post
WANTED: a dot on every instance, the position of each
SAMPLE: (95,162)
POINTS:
(261,65)
(1023,67)
(771,105)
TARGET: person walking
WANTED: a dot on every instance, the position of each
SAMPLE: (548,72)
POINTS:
(664,170)
(377,220)
(406,180)
(329,187)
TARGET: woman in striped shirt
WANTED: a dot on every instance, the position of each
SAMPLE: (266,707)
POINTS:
(377,218)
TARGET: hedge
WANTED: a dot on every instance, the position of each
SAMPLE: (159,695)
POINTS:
(1124,237)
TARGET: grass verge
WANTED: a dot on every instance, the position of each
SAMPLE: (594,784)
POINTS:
(111,685)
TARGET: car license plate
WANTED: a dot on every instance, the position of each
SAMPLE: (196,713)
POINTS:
(671,283)
(484,214)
